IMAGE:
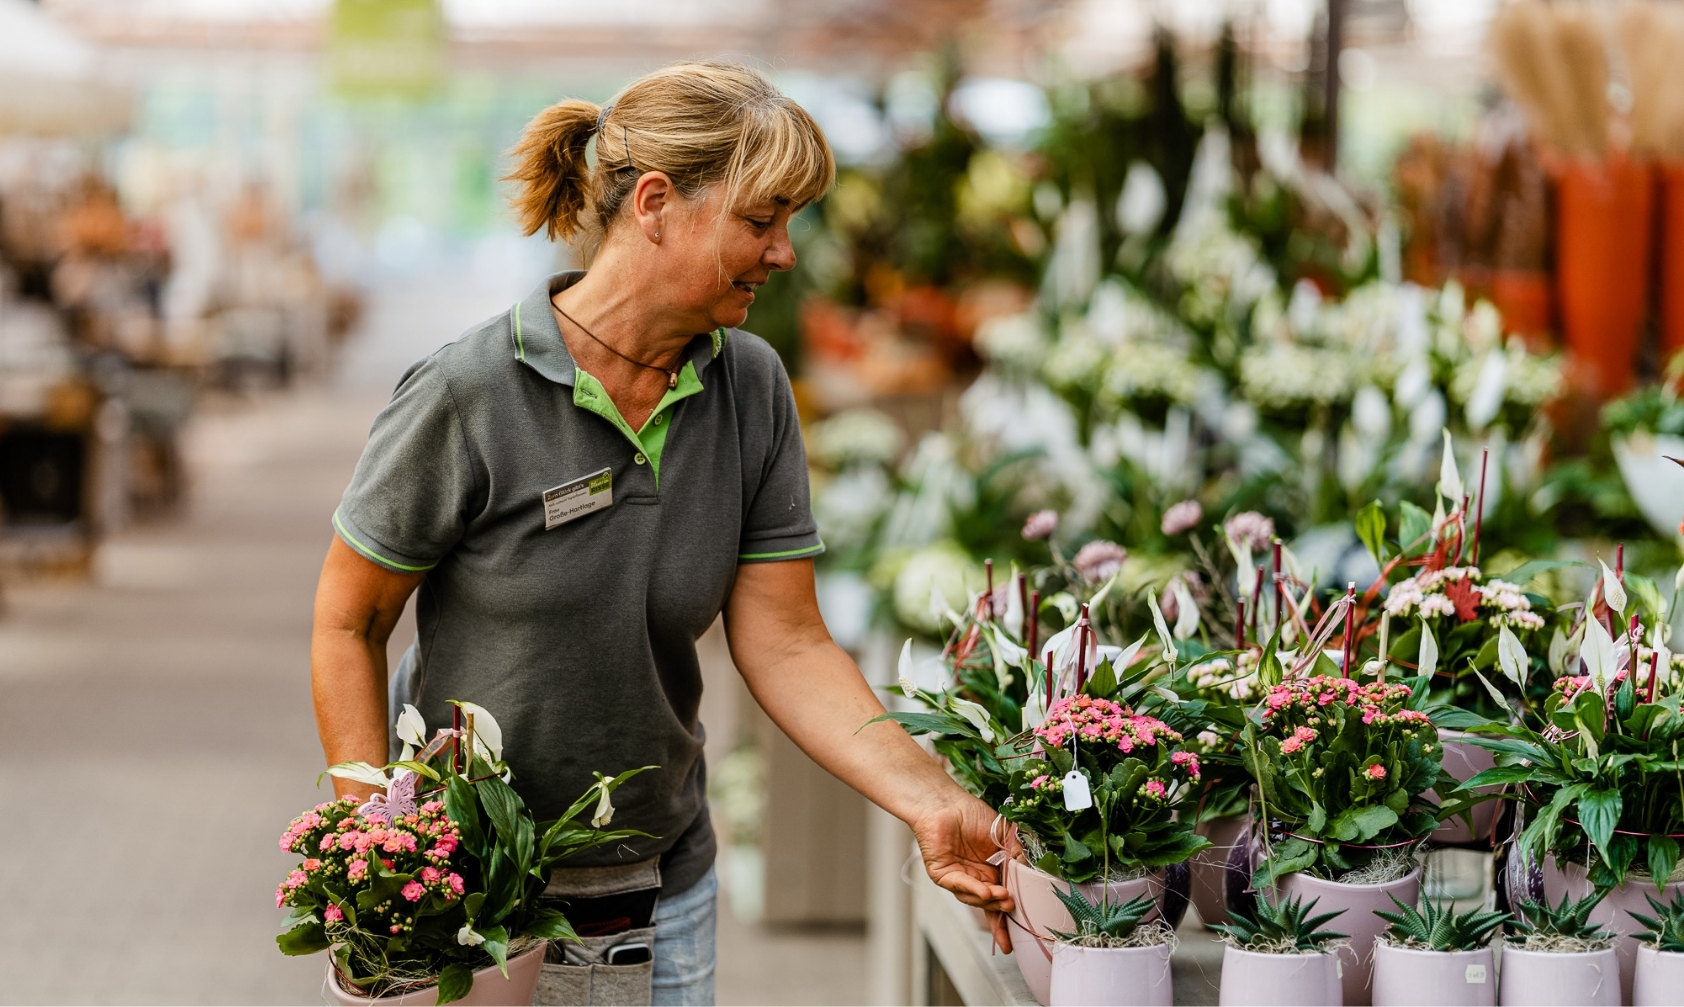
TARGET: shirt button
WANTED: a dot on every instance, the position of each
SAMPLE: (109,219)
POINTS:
(638,458)
(660,419)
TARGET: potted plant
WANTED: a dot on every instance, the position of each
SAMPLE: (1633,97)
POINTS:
(1556,955)
(431,892)
(1436,956)
(1112,957)
(1660,959)
(1341,769)
(1277,953)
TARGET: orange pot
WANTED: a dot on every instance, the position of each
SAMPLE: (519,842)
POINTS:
(1602,228)
(1527,303)
(1672,259)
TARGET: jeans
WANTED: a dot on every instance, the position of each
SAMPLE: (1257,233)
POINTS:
(684,944)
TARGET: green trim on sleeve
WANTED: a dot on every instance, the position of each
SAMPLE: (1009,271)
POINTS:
(351,540)
(812,550)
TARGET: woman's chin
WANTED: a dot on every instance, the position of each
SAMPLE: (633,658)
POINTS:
(730,316)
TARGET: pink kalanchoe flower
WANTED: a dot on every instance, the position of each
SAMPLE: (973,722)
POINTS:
(1251,529)
(280,896)
(333,913)
(430,875)
(327,842)
(1155,789)
(1099,560)
(296,879)
(311,864)
(1038,782)
(1184,516)
(357,870)
(1040,525)
(1376,772)
(413,891)
(455,881)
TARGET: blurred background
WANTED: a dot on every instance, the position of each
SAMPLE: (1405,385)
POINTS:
(1096,255)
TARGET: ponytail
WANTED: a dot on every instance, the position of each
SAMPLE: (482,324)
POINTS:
(550,167)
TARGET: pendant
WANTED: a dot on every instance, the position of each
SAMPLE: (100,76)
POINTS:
(672,379)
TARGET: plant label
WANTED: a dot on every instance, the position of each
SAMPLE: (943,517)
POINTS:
(580,497)
(1077,795)
(1476,973)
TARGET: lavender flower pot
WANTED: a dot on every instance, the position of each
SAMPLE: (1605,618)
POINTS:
(1111,977)
(1405,976)
(1614,912)
(1252,978)
(490,988)
(1548,978)
(1463,759)
(1038,913)
(1210,867)
(1658,978)
(1359,922)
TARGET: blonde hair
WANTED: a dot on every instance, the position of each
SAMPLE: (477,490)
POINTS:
(703,124)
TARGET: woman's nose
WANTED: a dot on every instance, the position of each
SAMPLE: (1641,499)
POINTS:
(780,254)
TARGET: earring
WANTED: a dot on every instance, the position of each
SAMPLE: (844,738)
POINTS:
(657,234)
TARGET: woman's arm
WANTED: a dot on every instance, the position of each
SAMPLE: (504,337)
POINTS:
(815,693)
(357,604)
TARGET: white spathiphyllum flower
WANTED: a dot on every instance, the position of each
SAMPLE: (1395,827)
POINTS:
(469,937)
(604,806)
(360,772)
(1013,619)
(976,715)
(1428,660)
(1164,637)
(1678,580)
(1598,655)
(1487,396)
(488,737)
(1512,656)
(1613,592)
(1558,652)
(1449,479)
(412,731)
(1186,611)
(907,685)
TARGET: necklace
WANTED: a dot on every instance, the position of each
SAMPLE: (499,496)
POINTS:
(671,373)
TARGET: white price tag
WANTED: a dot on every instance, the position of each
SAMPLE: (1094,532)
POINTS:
(1077,795)
(578,498)
(1476,973)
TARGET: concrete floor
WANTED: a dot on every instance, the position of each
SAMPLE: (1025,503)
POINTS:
(157,734)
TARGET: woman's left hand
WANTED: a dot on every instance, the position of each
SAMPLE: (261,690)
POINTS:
(957,841)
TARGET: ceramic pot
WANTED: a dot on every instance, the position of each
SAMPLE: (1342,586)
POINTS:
(490,988)
(1407,976)
(1547,978)
(1038,912)
(1672,258)
(1659,977)
(1210,867)
(1111,977)
(1614,911)
(1359,922)
(1463,759)
(1253,978)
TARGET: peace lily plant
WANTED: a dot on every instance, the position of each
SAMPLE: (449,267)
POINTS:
(443,873)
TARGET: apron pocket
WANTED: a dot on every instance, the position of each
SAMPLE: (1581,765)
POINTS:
(578,973)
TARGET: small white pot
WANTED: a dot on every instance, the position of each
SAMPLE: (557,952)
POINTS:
(1404,976)
(1254,979)
(1360,902)
(489,988)
(1659,979)
(1111,977)
(1556,979)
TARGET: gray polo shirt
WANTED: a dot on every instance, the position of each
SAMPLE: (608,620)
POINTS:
(572,562)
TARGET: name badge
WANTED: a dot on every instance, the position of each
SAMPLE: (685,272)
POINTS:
(580,497)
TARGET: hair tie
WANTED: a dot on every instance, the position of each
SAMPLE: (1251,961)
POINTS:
(602,117)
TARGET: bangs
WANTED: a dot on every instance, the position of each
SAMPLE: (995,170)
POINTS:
(783,157)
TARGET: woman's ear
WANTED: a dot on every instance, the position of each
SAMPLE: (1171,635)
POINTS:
(652,202)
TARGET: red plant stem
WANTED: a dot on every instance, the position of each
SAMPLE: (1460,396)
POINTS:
(1239,624)
(1620,563)
(1278,613)
(1028,617)
(1479,516)
(1082,650)
(456,742)
(1654,672)
(1350,625)
(1034,627)
(988,569)
(1256,596)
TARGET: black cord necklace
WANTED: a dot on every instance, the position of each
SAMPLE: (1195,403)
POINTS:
(671,373)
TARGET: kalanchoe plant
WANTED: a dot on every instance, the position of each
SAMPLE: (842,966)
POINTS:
(442,873)
(1540,926)
(1280,928)
(1665,930)
(1108,924)
(1439,927)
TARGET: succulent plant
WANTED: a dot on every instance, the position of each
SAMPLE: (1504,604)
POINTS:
(1568,920)
(1439,927)
(1666,928)
(1281,928)
(1116,921)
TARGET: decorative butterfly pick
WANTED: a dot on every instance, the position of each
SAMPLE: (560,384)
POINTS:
(396,802)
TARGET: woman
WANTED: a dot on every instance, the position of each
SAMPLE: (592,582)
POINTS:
(579,486)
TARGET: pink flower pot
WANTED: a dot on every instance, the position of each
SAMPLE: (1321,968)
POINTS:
(1463,760)
(1210,867)
(1658,978)
(1614,911)
(1252,978)
(1110,977)
(1546,978)
(1405,976)
(1038,912)
(490,988)
(1359,922)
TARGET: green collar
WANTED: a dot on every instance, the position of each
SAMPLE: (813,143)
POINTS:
(649,442)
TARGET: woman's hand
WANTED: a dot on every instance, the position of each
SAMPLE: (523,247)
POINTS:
(957,842)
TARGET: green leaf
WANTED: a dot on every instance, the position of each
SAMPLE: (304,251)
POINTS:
(1663,856)
(929,723)
(455,982)
(551,926)
(1361,824)
(1415,527)
(303,940)
(1599,813)
(1501,774)
(1103,682)
(1371,528)
(1317,820)
(1526,572)
(502,805)
(463,808)
(497,946)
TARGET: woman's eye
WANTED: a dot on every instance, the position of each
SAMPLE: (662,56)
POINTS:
(758,225)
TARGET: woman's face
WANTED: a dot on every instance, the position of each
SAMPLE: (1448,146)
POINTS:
(715,259)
